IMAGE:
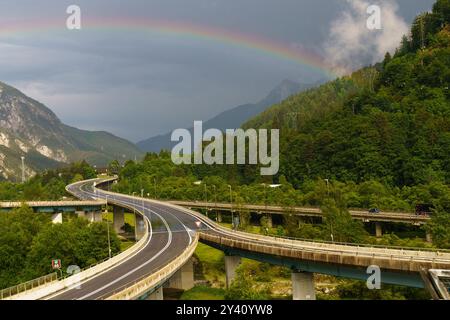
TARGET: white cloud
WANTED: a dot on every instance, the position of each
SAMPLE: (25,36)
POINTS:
(351,44)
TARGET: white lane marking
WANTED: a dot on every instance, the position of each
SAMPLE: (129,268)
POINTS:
(137,268)
(205,222)
(109,269)
(122,199)
(188,231)
(185,227)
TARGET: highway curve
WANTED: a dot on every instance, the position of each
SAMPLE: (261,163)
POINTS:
(168,238)
(171,232)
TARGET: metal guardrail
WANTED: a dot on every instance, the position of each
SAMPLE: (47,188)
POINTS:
(155,278)
(29,285)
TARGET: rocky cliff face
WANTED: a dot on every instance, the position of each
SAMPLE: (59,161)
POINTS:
(30,129)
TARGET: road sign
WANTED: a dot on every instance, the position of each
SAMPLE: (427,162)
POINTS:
(56,264)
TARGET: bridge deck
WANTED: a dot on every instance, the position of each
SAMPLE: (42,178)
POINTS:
(405,217)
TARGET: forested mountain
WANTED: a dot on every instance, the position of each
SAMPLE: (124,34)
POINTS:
(390,122)
(233,118)
(30,129)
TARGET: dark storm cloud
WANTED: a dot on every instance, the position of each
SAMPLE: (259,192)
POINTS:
(137,86)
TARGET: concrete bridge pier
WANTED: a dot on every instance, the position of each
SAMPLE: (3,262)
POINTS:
(231,264)
(57,218)
(378,230)
(183,279)
(429,238)
(219,217)
(118,219)
(157,294)
(94,216)
(269,220)
(139,229)
(303,286)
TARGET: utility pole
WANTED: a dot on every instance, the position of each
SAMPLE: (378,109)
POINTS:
(154,181)
(23,169)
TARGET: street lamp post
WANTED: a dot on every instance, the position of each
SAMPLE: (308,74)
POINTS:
(231,206)
(134,202)
(143,205)
(23,168)
(328,188)
(206,198)
(107,224)
(109,240)
(215,200)
(265,195)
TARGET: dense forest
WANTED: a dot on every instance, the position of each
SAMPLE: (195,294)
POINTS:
(29,242)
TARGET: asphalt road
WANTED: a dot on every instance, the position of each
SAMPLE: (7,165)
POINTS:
(170,234)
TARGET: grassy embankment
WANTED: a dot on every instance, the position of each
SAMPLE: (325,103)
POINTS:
(129,219)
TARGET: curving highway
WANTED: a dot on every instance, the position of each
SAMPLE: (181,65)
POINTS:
(168,237)
(172,228)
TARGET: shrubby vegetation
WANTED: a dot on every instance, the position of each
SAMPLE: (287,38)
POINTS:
(351,290)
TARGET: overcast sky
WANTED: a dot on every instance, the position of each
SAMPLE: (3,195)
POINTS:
(136,84)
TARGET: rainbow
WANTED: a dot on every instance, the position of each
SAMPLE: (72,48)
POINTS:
(264,45)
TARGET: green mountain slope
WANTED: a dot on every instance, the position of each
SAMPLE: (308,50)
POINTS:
(232,118)
(30,129)
(390,123)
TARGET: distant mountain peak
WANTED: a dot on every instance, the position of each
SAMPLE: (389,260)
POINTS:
(28,128)
(232,118)
(283,91)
